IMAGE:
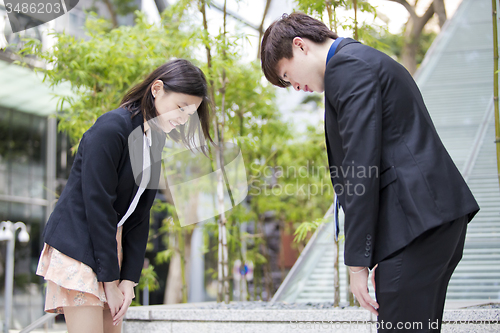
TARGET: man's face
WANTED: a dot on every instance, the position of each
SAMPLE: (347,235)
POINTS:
(301,70)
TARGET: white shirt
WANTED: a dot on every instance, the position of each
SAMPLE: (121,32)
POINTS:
(146,175)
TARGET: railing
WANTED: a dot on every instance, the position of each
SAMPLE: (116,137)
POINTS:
(39,322)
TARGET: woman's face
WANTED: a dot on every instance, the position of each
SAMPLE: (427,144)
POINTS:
(174,108)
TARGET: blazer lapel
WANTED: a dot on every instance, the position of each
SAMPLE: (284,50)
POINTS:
(135,147)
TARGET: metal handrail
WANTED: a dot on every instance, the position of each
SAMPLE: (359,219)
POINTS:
(39,322)
(296,267)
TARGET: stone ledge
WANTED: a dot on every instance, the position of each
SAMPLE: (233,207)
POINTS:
(193,317)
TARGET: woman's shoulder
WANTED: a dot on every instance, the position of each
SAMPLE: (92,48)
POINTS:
(111,123)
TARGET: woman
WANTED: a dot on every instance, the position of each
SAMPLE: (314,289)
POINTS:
(95,239)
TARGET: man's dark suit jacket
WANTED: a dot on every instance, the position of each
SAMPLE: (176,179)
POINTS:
(98,193)
(393,176)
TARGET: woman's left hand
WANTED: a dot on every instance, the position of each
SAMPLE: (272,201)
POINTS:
(127,288)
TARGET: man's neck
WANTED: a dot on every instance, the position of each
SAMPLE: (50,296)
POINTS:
(323,51)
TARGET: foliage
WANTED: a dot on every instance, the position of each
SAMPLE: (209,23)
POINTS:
(148,279)
(103,67)
(392,44)
(318,8)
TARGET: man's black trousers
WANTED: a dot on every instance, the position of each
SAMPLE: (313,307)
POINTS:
(411,284)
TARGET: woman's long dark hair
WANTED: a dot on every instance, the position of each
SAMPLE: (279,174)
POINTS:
(179,76)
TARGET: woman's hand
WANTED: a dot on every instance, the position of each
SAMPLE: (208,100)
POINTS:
(127,289)
(114,296)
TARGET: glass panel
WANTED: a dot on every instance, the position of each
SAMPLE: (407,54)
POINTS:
(4,210)
(38,166)
(4,150)
(20,151)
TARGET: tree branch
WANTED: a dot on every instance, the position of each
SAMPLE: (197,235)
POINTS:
(408,7)
(112,12)
(422,21)
(261,27)
(234,15)
(440,11)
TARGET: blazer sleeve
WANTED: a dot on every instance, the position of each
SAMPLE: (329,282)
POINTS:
(104,144)
(134,249)
(354,91)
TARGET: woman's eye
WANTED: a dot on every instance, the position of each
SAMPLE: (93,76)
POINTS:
(181,109)
(284,75)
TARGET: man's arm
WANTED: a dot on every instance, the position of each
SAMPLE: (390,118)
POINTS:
(355,93)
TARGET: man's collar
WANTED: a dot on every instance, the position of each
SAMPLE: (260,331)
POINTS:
(333,48)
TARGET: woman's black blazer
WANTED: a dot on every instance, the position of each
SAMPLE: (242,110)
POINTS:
(98,193)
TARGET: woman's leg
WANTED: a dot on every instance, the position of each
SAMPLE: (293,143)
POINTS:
(108,322)
(84,319)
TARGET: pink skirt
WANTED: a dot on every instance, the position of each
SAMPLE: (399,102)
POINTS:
(69,281)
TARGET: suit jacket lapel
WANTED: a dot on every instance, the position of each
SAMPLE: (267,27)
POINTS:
(135,146)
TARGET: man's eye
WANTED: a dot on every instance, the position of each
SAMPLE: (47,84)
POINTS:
(181,109)
(284,75)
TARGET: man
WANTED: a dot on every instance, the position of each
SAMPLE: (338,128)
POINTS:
(406,204)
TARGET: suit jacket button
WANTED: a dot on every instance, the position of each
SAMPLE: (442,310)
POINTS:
(368,237)
(367,248)
(368,242)
(367,254)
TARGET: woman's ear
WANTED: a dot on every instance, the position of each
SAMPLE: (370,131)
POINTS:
(156,87)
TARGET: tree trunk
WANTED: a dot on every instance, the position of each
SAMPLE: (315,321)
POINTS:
(173,290)
(261,27)
(412,33)
(440,11)
(355,5)
(112,12)
(495,85)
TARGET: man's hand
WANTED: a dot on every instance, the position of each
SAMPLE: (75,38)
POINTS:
(127,289)
(359,287)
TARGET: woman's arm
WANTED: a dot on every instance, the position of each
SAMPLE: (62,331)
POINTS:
(134,248)
(103,145)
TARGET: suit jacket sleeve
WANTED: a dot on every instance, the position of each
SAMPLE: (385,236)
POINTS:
(134,249)
(354,91)
(103,145)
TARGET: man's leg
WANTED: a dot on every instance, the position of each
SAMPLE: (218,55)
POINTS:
(457,256)
(411,284)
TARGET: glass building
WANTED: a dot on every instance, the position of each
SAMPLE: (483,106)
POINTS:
(34,164)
